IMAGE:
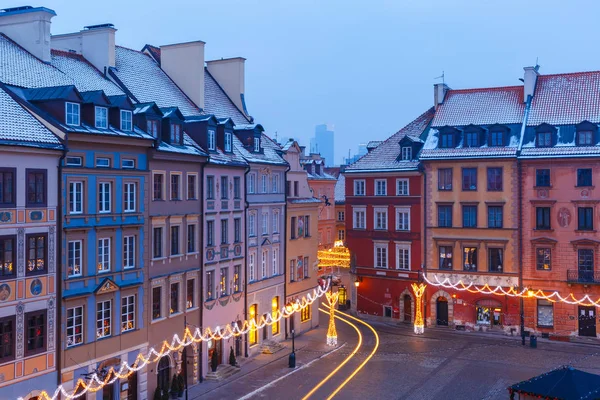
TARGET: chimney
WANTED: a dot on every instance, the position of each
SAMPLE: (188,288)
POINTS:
(529,81)
(439,93)
(184,63)
(96,43)
(29,27)
(229,73)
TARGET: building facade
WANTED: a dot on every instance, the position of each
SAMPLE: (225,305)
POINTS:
(323,143)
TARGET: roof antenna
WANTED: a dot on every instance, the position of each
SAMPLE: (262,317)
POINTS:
(441,77)
(276,136)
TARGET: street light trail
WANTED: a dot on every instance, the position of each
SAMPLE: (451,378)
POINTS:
(358,345)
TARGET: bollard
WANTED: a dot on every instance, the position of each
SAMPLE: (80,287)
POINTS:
(292,361)
(533,341)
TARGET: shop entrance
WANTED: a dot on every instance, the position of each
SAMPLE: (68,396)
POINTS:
(587,321)
(407,309)
(442,311)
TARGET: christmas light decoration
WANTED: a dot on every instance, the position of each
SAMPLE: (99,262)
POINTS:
(337,256)
(419,323)
(95,383)
(331,332)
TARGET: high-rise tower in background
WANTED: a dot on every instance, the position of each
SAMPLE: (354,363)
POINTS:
(322,143)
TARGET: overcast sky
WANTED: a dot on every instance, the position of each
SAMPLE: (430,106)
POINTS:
(367,67)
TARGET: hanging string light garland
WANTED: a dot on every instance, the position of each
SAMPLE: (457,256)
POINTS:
(95,383)
(337,256)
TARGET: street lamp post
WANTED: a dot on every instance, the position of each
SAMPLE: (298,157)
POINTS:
(292,360)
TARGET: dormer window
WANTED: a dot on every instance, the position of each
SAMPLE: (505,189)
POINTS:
(126,120)
(227,142)
(446,140)
(471,139)
(211,140)
(175,133)
(585,138)
(496,139)
(407,153)
(152,127)
(72,114)
(101,117)
(257,145)
(544,139)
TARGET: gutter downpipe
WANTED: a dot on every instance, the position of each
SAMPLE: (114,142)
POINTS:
(424,267)
(201,305)
(58,269)
(285,208)
(246,206)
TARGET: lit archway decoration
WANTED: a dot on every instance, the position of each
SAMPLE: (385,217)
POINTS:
(419,323)
(337,256)
(332,299)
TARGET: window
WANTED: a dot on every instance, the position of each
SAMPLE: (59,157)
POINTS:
(542,177)
(402,187)
(7,187)
(542,258)
(126,120)
(471,139)
(494,176)
(101,117)
(496,139)
(495,216)
(7,256)
(496,259)
(210,187)
(72,114)
(156,302)
(275,184)
(103,162)
(104,195)
(175,133)
(104,255)
(252,225)
(263,264)
(341,216)
(470,258)
(127,313)
(191,187)
(445,257)
(224,231)
(174,298)
(74,326)
(257,145)
(227,142)
(103,319)
(251,183)
(157,240)
(252,267)
(175,180)
(584,177)
(130,195)
(469,216)
(275,263)
(446,140)
(224,188)
(73,258)
(190,300)
(403,219)
(585,138)
(341,234)
(191,238)
(236,188)
(152,128)
(263,183)
(158,187)
(7,339)
(544,139)
(359,187)
(407,153)
(305,313)
(293,228)
(128,252)
(403,256)
(545,313)
(74,162)
(445,179)
(542,218)
(275,221)
(36,254)
(175,240)
(253,333)
(381,260)
(469,179)
(237,278)
(128,163)
(210,233)
(305,268)
(380,187)
(359,219)
(445,216)
(36,332)
(292,270)
(237,230)
(585,260)
(223,281)
(380,218)
(36,188)
(274,314)
(296,189)
(211,140)
(585,218)
(306,226)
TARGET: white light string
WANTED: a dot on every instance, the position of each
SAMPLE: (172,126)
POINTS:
(94,382)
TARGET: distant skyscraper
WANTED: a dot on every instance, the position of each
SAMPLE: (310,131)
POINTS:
(323,143)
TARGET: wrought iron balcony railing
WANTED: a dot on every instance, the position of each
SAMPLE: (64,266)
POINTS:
(581,276)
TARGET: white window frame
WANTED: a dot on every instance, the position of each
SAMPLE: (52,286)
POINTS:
(211,140)
(293,270)
(403,247)
(399,211)
(103,162)
(101,117)
(251,224)
(103,255)
(406,153)
(126,120)
(171,175)
(228,141)
(106,305)
(341,234)
(275,184)
(402,183)
(129,252)
(257,145)
(128,163)
(377,211)
(251,267)
(130,194)
(274,263)
(265,223)
(73,116)
(380,247)
(127,302)
(263,183)
(263,263)
(355,220)
(104,197)
(341,216)
(78,161)
(380,187)
(72,325)
(251,183)
(275,221)
(75,192)
(359,187)
(77,250)
(187,185)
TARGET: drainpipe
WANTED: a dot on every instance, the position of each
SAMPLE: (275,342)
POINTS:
(246,205)
(201,297)
(58,269)
(424,265)
(285,246)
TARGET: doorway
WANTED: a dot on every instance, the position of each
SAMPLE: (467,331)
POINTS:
(132,388)
(387,311)
(587,321)
(407,309)
(442,311)
(265,330)
(108,392)
(163,373)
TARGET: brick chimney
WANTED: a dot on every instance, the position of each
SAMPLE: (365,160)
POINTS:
(439,93)
(29,27)
(529,80)
(96,43)
(184,63)
(230,74)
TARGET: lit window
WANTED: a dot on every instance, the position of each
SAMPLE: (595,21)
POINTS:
(74,258)
(127,313)
(545,313)
(74,326)
(104,255)
(103,319)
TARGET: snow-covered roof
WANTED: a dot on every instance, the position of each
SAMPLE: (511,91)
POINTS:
(373,143)
(270,154)
(304,201)
(340,189)
(188,147)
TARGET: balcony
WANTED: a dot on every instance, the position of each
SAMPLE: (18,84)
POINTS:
(585,277)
